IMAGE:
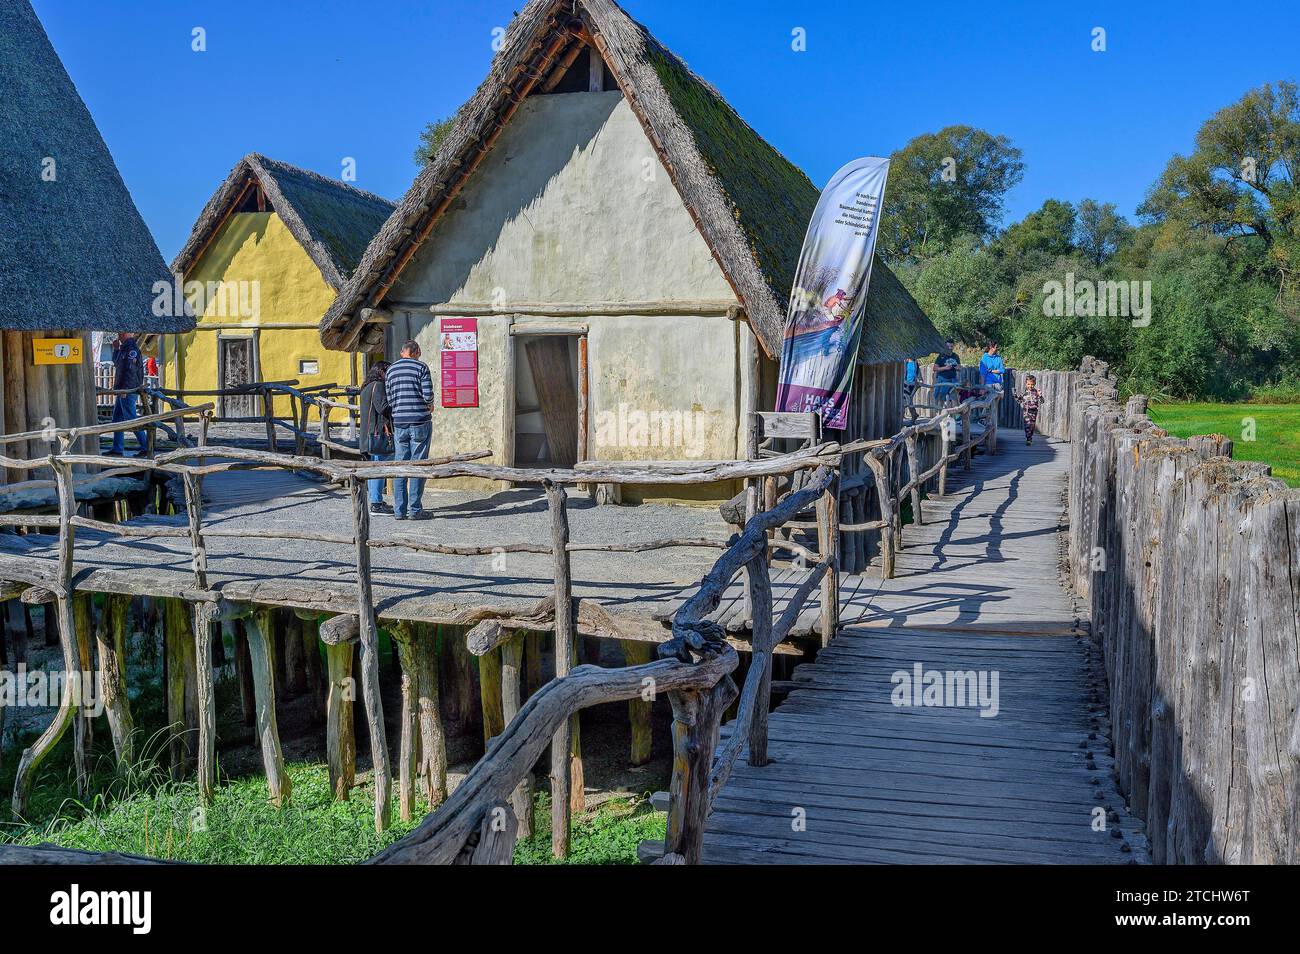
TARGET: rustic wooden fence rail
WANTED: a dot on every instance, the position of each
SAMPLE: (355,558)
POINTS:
(206,604)
(896,469)
(297,425)
(1190,562)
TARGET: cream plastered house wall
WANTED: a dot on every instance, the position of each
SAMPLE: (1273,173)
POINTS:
(257,247)
(573,205)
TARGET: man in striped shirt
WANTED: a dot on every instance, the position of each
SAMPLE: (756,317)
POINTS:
(409,387)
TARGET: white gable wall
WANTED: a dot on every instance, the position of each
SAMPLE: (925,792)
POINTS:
(573,207)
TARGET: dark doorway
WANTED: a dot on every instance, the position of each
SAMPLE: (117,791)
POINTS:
(548,415)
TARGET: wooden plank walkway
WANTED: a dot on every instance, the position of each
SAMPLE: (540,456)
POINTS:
(1014,775)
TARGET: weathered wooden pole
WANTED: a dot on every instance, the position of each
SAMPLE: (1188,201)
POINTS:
(32,757)
(828,542)
(761,646)
(340,731)
(566,760)
(182,679)
(884,499)
(489,687)
(261,651)
(111,644)
(369,637)
(696,715)
(433,740)
(83,613)
(637,652)
(512,676)
(205,691)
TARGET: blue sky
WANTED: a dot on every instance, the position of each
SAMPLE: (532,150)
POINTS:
(313,83)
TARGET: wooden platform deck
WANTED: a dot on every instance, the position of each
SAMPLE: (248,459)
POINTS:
(855,778)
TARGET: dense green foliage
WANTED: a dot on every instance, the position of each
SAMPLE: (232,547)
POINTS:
(1218,243)
(1263,432)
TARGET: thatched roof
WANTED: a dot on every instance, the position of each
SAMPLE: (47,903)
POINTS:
(332,221)
(74,252)
(751,205)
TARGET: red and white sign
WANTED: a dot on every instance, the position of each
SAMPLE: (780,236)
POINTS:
(459,356)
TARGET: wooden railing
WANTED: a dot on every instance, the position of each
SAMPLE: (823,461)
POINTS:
(207,605)
(923,451)
(324,398)
(479,823)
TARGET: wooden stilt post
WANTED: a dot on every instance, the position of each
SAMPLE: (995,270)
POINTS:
(111,639)
(83,612)
(489,687)
(512,675)
(340,734)
(828,542)
(566,759)
(913,468)
(32,757)
(205,686)
(408,746)
(261,652)
(761,644)
(880,475)
(369,636)
(696,715)
(433,740)
(182,689)
(244,674)
(637,652)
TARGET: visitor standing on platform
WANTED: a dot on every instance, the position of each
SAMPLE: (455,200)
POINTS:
(409,388)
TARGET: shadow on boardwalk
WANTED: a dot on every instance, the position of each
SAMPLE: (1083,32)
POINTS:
(1004,759)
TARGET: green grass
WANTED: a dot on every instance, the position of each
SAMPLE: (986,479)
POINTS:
(239,827)
(606,836)
(1276,431)
(148,814)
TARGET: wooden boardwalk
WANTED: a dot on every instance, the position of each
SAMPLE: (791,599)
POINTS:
(1014,775)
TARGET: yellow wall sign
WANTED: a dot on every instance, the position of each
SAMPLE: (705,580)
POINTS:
(57,350)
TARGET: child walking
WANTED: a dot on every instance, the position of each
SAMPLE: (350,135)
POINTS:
(1031,400)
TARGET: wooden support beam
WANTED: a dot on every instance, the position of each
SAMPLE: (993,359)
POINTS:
(512,676)
(567,783)
(84,728)
(181,682)
(369,640)
(32,757)
(489,686)
(828,535)
(261,650)
(205,691)
(696,716)
(340,734)
(636,653)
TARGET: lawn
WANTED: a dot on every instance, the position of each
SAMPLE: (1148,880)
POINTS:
(1263,432)
(151,815)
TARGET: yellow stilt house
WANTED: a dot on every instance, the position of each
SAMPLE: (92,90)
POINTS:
(262,264)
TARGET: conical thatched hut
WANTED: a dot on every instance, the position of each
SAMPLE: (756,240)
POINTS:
(294,236)
(74,253)
(623,245)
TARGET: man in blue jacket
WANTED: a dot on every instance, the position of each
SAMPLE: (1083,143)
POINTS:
(128,375)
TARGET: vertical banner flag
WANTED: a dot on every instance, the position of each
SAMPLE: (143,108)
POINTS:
(829,298)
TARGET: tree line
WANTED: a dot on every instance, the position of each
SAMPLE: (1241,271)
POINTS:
(1200,298)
